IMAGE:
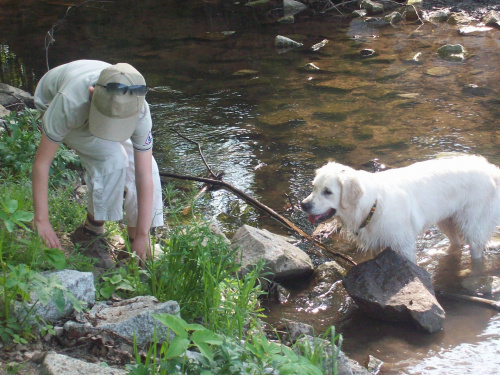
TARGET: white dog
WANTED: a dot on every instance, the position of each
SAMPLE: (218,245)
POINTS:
(392,208)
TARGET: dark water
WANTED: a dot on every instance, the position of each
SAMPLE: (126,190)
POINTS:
(268,123)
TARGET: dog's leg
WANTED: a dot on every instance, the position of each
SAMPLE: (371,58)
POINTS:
(449,228)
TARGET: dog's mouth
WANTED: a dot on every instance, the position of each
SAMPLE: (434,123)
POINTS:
(319,218)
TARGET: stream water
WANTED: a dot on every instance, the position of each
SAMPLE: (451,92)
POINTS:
(267,123)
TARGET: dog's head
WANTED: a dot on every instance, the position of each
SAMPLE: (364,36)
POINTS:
(336,188)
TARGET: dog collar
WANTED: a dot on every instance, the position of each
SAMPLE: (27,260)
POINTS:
(369,217)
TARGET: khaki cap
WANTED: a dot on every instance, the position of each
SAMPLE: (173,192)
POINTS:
(114,117)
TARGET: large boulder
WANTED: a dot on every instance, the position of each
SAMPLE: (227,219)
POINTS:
(11,97)
(282,259)
(79,284)
(492,19)
(390,287)
(125,319)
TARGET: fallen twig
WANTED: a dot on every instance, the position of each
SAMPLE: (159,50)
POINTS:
(476,300)
(261,207)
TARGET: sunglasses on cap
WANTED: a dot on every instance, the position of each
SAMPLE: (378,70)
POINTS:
(121,89)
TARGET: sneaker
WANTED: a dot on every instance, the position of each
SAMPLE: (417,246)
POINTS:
(94,245)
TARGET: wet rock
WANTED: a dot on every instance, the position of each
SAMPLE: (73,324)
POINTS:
(438,71)
(367,52)
(281,117)
(79,284)
(318,46)
(376,22)
(393,18)
(245,73)
(492,19)
(459,19)
(282,259)
(372,7)
(440,15)
(125,319)
(455,52)
(298,329)
(413,10)
(310,67)
(363,132)
(475,90)
(214,36)
(474,30)
(339,85)
(374,365)
(59,364)
(257,3)
(12,96)
(482,284)
(325,275)
(286,19)
(392,288)
(360,13)
(285,44)
(292,7)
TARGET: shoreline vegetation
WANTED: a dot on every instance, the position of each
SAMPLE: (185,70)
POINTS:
(193,266)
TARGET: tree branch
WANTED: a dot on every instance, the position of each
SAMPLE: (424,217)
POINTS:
(261,207)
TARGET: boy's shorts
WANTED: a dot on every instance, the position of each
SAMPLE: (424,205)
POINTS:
(113,193)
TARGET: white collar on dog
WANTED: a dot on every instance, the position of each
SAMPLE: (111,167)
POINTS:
(369,217)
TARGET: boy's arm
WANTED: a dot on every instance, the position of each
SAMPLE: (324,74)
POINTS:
(40,177)
(144,185)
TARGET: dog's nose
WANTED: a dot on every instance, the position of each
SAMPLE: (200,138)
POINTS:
(306,206)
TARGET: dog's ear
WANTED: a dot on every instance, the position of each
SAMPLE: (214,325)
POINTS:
(351,189)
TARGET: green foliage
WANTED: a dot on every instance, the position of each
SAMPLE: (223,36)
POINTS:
(219,354)
(12,217)
(18,143)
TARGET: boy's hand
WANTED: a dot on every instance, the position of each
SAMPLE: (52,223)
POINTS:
(47,233)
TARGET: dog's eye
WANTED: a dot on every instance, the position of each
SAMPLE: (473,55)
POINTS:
(327,192)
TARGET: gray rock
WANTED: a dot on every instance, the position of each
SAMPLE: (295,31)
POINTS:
(439,15)
(454,52)
(298,329)
(393,18)
(79,284)
(392,288)
(413,9)
(126,318)
(10,96)
(372,7)
(359,13)
(292,7)
(282,259)
(492,19)
(58,364)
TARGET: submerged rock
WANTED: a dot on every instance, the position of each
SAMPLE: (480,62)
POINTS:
(454,52)
(482,284)
(319,45)
(392,288)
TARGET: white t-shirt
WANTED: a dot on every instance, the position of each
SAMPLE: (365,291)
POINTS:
(63,96)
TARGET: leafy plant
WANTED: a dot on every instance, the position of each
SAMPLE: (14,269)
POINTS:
(11,216)
(18,143)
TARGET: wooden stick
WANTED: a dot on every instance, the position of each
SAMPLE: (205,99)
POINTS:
(476,300)
(261,207)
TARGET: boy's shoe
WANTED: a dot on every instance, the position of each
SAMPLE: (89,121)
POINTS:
(94,245)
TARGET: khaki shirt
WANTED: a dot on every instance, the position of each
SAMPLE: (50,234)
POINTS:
(63,96)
